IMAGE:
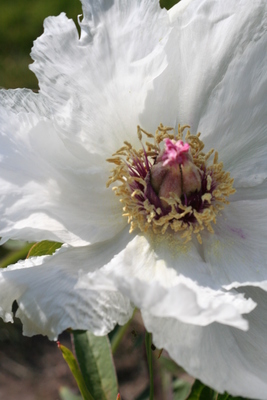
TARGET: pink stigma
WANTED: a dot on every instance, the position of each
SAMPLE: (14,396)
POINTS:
(174,152)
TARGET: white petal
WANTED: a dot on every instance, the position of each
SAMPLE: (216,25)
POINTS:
(49,301)
(216,81)
(100,81)
(152,283)
(239,128)
(55,144)
(237,250)
(223,357)
(251,193)
(49,191)
(177,9)
(234,117)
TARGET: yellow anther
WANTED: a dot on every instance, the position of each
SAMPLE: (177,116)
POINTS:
(133,180)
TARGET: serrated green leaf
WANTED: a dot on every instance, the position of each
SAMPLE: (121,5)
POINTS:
(96,363)
(43,248)
(75,370)
(66,394)
(201,392)
(181,389)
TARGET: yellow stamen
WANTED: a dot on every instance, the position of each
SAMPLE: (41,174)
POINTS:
(131,189)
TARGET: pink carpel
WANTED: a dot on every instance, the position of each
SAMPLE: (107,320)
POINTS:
(175,152)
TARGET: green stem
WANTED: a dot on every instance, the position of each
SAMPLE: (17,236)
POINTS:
(115,341)
(148,341)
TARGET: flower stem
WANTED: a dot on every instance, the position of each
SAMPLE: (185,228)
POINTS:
(148,341)
(115,341)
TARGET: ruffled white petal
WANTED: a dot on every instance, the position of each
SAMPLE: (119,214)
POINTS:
(152,284)
(208,36)
(54,144)
(239,129)
(48,299)
(49,191)
(100,81)
(177,9)
(216,81)
(187,302)
(223,357)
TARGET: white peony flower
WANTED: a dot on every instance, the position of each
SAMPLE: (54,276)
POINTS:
(190,251)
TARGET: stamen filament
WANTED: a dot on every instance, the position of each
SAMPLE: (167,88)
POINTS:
(188,213)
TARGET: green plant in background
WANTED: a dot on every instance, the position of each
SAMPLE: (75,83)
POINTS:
(21,22)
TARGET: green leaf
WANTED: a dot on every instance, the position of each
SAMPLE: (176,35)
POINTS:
(96,363)
(43,248)
(74,367)
(201,392)
(168,3)
(15,255)
(181,389)
(226,396)
(66,394)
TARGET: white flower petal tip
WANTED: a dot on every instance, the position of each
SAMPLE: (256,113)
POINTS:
(151,282)
(236,285)
(45,291)
(186,302)
(221,356)
(177,9)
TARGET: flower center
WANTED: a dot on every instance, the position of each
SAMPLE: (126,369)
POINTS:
(171,185)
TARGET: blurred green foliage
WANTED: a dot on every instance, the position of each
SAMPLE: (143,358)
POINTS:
(13,251)
(21,22)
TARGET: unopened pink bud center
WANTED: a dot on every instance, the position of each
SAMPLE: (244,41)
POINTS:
(171,189)
(174,171)
(175,152)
